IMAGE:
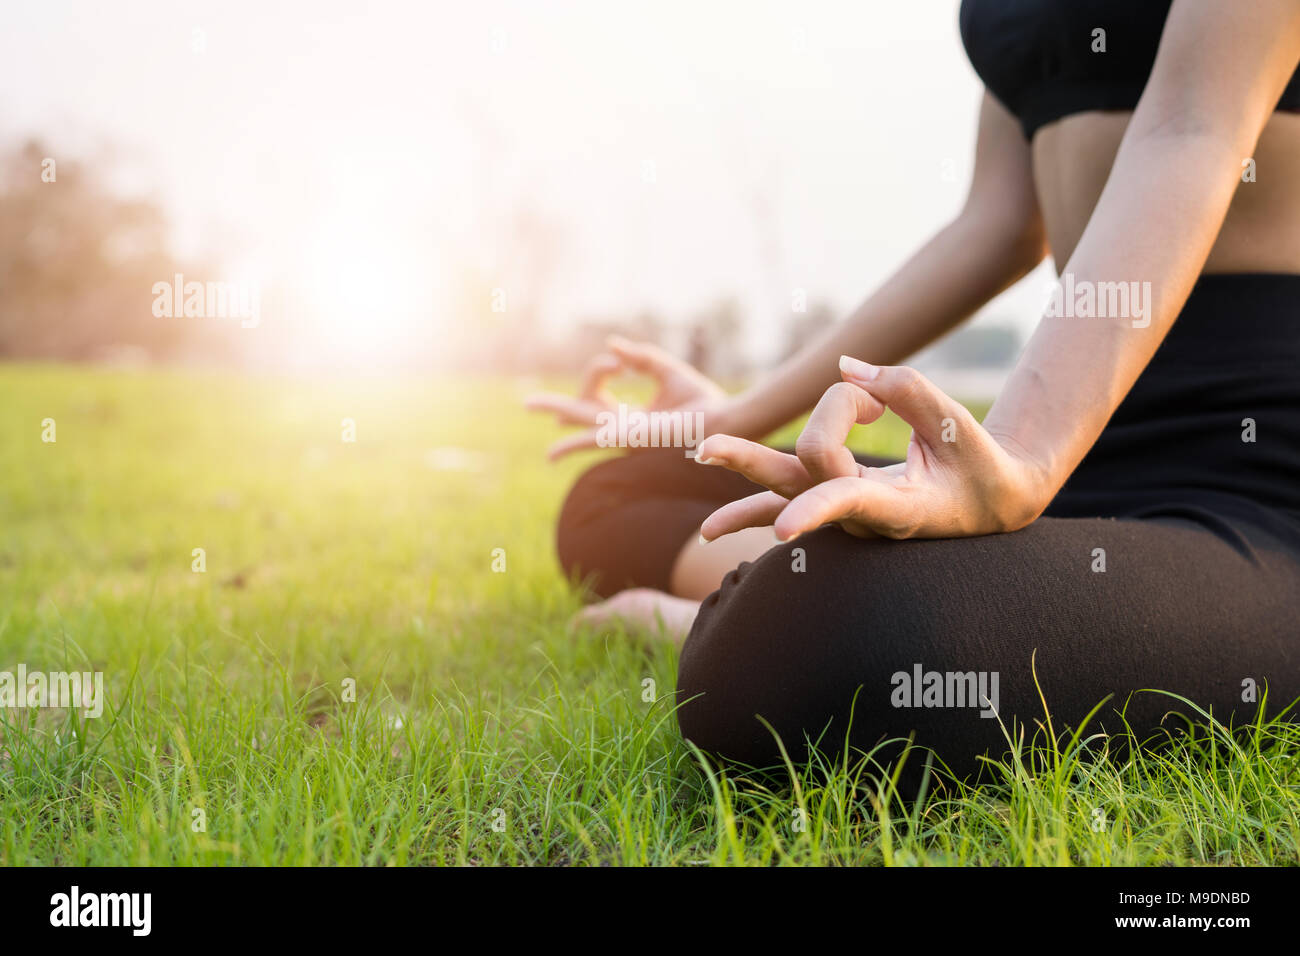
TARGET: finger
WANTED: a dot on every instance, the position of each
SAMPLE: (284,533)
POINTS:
(598,370)
(934,416)
(768,467)
(644,357)
(820,445)
(569,410)
(756,511)
(572,443)
(875,504)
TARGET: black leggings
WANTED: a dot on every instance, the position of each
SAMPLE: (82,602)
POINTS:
(1170,560)
(831,626)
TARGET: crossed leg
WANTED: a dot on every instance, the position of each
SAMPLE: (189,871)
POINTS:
(811,633)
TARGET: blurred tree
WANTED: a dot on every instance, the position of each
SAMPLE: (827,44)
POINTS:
(78,264)
(528,262)
(714,338)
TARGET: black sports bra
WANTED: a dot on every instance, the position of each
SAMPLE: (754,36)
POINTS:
(1036,56)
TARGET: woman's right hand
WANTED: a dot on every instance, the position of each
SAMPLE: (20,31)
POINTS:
(681,388)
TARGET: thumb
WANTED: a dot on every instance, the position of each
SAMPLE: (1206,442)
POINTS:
(643,357)
(913,398)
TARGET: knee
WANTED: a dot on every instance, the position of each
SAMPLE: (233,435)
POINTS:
(780,650)
(624,521)
(580,540)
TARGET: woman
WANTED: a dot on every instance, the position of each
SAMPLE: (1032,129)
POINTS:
(1126,517)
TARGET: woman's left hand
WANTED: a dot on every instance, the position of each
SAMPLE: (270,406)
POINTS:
(958,479)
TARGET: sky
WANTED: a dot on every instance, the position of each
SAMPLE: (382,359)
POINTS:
(373,154)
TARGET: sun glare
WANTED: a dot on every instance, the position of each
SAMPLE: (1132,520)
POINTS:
(366,291)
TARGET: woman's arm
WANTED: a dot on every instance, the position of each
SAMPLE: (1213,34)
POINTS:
(993,242)
(1218,75)
(1219,72)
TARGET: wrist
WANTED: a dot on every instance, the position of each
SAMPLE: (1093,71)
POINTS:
(1039,478)
(1035,481)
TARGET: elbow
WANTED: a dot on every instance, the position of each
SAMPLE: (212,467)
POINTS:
(1014,239)
(1026,249)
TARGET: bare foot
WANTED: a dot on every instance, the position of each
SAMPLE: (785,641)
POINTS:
(643,609)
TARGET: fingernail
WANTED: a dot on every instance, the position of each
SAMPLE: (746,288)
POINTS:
(858,369)
(788,538)
(703,540)
(700,460)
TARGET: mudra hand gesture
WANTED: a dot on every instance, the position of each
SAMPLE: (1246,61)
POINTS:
(958,479)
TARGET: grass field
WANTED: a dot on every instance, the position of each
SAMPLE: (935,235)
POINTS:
(482,730)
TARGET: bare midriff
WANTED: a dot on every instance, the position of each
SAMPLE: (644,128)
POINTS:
(1072,159)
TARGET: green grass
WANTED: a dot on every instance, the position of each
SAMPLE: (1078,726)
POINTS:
(371,562)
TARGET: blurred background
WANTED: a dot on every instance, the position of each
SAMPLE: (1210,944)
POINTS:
(487,187)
